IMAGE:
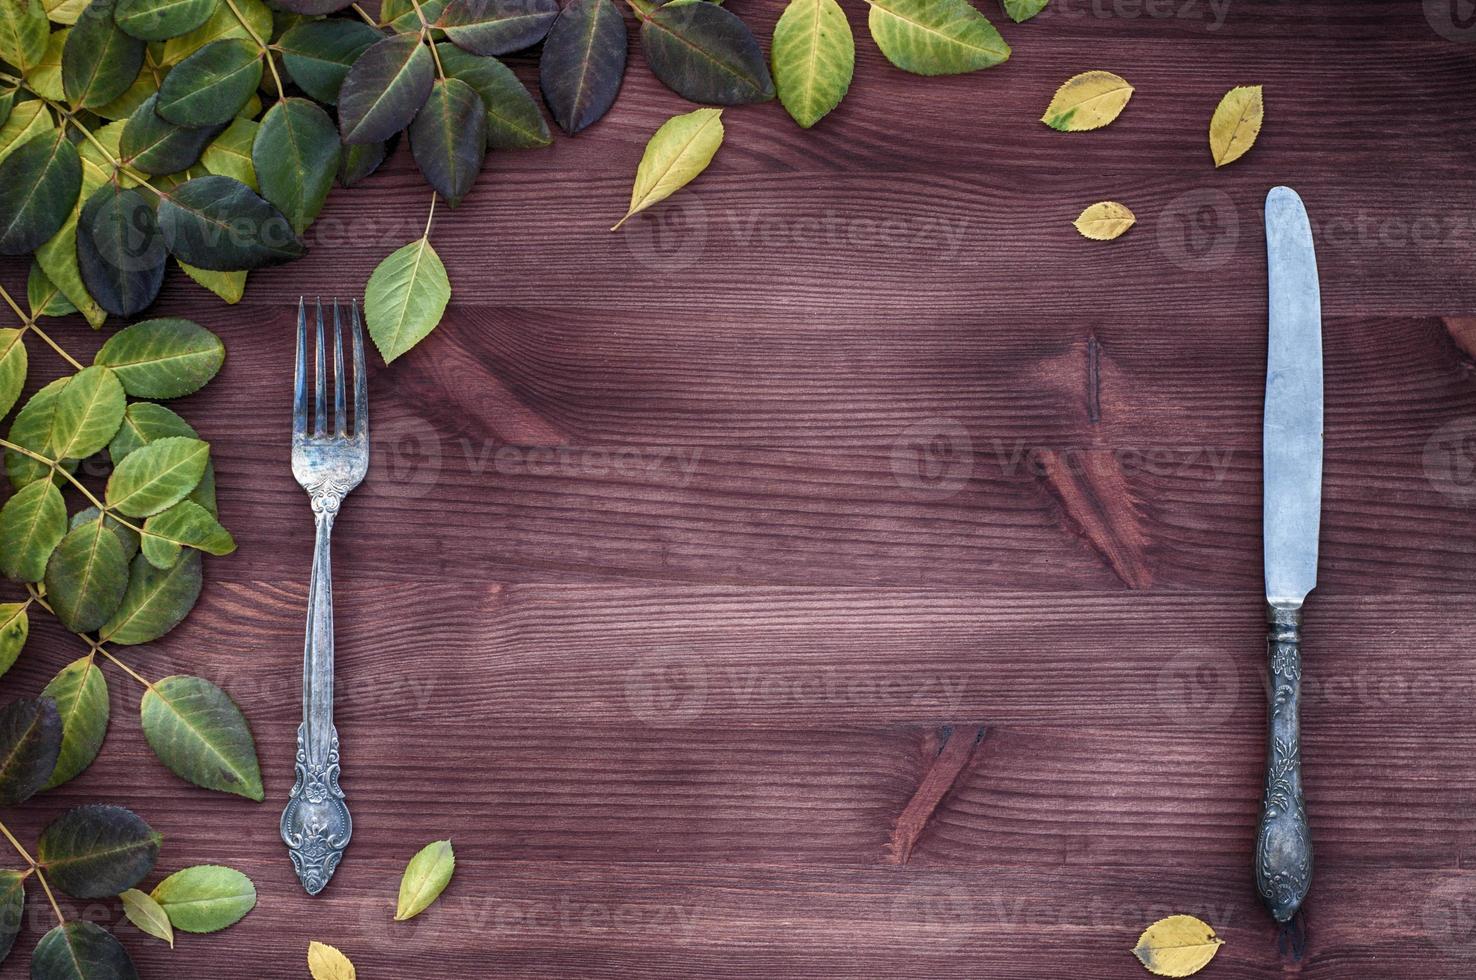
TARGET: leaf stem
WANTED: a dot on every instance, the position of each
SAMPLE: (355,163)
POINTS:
(429,218)
(95,647)
(365,14)
(119,165)
(435,55)
(56,466)
(25,319)
(262,46)
(55,346)
(25,855)
(41,877)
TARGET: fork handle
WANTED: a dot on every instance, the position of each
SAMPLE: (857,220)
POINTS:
(1284,838)
(316,825)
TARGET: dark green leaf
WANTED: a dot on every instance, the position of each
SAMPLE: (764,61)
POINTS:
(362,159)
(210,86)
(318,53)
(127,536)
(23,33)
(80,950)
(30,738)
(220,224)
(15,627)
(12,908)
(449,138)
(494,27)
(99,61)
(296,158)
(165,358)
(32,524)
(32,430)
(81,695)
(703,52)
(385,89)
(199,733)
(159,20)
(120,252)
(86,577)
(87,413)
(205,898)
(156,602)
(312,7)
(583,63)
(155,146)
(39,185)
(97,851)
(143,423)
(13,366)
(513,119)
(186,524)
(7,102)
(157,476)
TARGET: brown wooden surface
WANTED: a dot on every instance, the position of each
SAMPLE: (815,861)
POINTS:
(852,445)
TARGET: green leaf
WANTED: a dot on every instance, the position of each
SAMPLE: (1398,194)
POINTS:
(87,414)
(296,158)
(45,79)
(39,185)
(155,146)
(704,53)
(120,253)
(583,63)
(935,37)
(205,898)
(64,11)
(80,950)
(13,367)
(449,139)
(230,154)
(32,524)
(229,286)
(143,423)
(210,86)
(99,61)
(97,851)
(188,525)
(165,358)
(318,53)
(426,876)
(30,738)
(12,908)
(814,57)
(156,602)
(27,120)
(86,577)
(159,20)
(157,476)
(199,733)
(220,224)
(32,430)
(405,297)
(1023,10)
(222,24)
(362,159)
(7,102)
(45,298)
(81,695)
(23,33)
(403,18)
(677,152)
(15,626)
(147,916)
(385,88)
(493,27)
(312,7)
(127,536)
(513,119)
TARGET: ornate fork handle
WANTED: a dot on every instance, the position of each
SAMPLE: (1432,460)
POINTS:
(1284,839)
(316,825)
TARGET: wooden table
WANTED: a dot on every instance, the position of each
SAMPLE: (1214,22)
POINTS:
(849,571)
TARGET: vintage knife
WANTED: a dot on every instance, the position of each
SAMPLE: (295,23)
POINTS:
(1292,505)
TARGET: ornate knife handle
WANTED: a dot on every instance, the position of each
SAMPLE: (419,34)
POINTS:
(316,825)
(1284,839)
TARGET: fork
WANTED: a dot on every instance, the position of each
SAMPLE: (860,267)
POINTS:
(328,464)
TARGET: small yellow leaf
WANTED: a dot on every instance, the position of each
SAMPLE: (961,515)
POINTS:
(1105,221)
(1090,100)
(1236,123)
(327,963)
(147,915)
(679,151)
(1179,946)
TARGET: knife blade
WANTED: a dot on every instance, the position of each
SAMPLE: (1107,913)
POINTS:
(1291,515)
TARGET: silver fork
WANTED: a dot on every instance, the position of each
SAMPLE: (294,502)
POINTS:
(316,825)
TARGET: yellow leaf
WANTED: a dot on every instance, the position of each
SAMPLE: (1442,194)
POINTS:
(1236,123)
(327,963)
(679,151)
(1105,221)
(1090,100)
(1179,946)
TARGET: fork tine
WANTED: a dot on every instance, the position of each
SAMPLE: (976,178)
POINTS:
(299,386)
(361,380)
(340,419)
(320,395)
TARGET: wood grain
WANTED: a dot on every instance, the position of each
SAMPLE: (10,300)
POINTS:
(682,547)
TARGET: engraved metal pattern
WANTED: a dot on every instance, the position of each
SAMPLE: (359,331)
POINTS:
(328,460)
(1284,838)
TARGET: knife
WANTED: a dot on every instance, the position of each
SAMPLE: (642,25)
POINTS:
(1291,510)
